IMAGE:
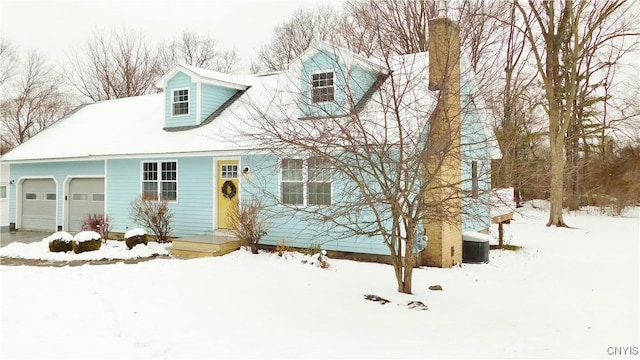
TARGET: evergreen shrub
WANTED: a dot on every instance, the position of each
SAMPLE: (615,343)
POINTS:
(86,241)
(135,237)
(60,241)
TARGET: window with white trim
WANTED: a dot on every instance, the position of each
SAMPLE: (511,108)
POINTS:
(305,182)
(3,191)
(160,180)
(292,184)
(180,103)
(322,87)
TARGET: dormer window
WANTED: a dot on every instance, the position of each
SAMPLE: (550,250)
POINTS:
(322,88)
(180,102)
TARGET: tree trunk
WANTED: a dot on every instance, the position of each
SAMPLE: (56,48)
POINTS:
(556,186)
(409,263)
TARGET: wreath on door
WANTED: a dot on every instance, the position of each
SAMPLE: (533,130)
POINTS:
(229,189)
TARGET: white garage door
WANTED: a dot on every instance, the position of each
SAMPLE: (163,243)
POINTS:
(86,196)
(39,204)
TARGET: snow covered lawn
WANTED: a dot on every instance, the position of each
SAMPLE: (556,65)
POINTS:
(566,293)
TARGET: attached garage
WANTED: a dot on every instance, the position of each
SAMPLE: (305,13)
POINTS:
(86,196)
(39,198)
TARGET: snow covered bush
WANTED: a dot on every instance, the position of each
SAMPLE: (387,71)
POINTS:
(154,215)
(134,237)
(60,241)
(250,224)
(86,241)
(318,259)
(99,223)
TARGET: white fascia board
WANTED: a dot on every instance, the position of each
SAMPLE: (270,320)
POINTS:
(230,152)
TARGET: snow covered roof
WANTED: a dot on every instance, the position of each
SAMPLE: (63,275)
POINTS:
(128,126)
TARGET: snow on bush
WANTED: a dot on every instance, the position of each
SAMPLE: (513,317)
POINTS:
(135,232)
(60,241)
(318,259)
(86,241)
(83,236)
(60,235)
(134,237)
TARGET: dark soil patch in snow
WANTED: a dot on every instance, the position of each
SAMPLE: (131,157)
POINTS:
(377,298)
(418,305)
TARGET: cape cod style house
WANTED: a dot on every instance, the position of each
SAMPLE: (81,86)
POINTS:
(182,145)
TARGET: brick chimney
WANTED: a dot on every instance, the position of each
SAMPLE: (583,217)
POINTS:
(443,205)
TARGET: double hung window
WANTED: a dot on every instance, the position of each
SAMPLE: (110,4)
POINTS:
(160,180)
(305,182)
(322,87)
(180,102)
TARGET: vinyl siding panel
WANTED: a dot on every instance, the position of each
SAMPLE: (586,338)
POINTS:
(193,212)
(180,81)
(292,226)
(59,171)
(324,62)
(212,98)
(123,186)
(476,211)
(360,82)
(350,84)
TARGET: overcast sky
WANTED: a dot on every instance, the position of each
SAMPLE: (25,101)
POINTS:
(55,27)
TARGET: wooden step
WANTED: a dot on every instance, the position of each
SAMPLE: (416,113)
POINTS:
(204,245)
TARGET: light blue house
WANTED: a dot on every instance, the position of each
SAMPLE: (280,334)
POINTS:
(185,145)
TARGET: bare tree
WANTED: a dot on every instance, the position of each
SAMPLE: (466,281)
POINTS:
(34,101)
(295,36)
(559,39)
(600,105)
(390,169)
(386,27)
(250,223)
(8,59)
(197,50)
(115,65)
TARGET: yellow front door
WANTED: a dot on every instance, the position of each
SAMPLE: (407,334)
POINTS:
(228,192)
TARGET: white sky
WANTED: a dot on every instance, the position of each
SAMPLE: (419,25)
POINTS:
(55,27)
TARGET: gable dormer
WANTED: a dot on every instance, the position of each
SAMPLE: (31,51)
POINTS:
(333,81)
(193,94)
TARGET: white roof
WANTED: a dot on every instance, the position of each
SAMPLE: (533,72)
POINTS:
(128,126)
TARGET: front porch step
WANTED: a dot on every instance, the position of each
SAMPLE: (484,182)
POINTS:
(205,245)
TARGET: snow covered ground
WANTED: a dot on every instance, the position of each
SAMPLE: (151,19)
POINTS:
(111,250)
(567,293)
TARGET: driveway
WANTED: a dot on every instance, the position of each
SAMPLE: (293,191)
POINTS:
(26,237)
